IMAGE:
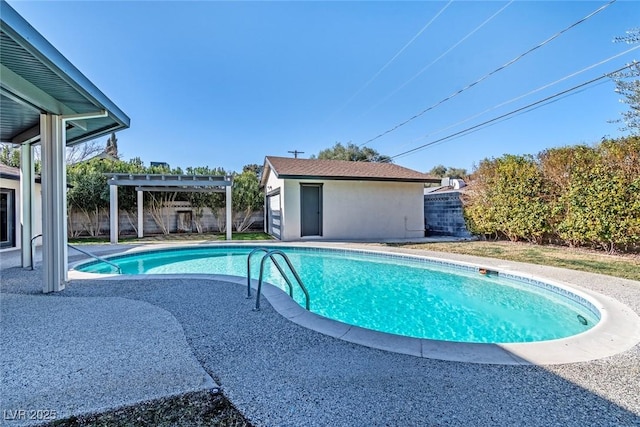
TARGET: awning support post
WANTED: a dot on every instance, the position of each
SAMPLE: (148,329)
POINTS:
(54,203)
(27,199)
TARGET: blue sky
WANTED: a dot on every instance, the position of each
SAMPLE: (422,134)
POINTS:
(223,84)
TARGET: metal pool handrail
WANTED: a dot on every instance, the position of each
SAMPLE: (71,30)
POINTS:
(270,255)
(33,255)
(265,250)
(282,273)
(96,257)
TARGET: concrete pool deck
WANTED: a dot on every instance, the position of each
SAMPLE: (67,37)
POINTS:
(274,371)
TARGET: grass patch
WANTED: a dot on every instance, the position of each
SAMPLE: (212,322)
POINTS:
(250,236)
(626,266)
(174,237)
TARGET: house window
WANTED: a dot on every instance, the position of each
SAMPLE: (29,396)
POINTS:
(7,218)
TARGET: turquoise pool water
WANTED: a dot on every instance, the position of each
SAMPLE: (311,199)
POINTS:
(395,294)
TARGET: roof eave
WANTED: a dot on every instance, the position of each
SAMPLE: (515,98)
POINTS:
(354,178)
(13,177)
(266,170)
(96,133)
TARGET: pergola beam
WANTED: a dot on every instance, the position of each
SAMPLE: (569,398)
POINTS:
(172,182)
(166,180)
(183,189)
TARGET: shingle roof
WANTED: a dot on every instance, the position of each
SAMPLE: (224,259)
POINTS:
(286,167)
(9,172)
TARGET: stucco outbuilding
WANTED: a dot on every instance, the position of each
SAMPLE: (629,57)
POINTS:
(342,200)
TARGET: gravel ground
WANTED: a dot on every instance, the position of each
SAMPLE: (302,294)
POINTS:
(204,408)
(278,373)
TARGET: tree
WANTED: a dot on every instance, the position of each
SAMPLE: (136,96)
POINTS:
(246,199)
(441,171)
(510,198)
(600,205)
(200,201)
(9,156)
(81,152)
(112,146)
(581,195)
(352,153)
(257,169)
(628,86)
(88,194)
(158,202)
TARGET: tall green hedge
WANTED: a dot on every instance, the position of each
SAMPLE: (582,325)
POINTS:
(578,195)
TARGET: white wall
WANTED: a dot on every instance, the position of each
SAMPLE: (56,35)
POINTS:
(272,184)
(37,210)
(359,209)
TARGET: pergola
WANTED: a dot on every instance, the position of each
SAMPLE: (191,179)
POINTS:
(164,182)
(45,100)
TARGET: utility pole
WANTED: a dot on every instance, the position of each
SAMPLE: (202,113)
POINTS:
(295,153)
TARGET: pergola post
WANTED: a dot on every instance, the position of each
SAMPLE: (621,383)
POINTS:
(113,214)
(140,214)
(54,221)
(228,205)
(27,175)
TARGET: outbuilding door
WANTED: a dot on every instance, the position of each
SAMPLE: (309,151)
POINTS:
(311,210)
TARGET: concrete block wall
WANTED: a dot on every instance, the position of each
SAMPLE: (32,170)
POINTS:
(443,215)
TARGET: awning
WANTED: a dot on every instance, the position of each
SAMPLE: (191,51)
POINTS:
(35,78)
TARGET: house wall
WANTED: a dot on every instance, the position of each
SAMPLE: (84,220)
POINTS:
(357,209)
(37,210)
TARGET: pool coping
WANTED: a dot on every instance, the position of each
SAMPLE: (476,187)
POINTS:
(617,331)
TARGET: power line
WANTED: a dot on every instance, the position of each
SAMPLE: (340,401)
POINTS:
(502,104)
(502,67)
(484,126)
(375,76)
(486,21)
(526,107)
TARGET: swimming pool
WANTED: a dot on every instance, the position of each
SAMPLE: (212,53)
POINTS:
(395,294)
